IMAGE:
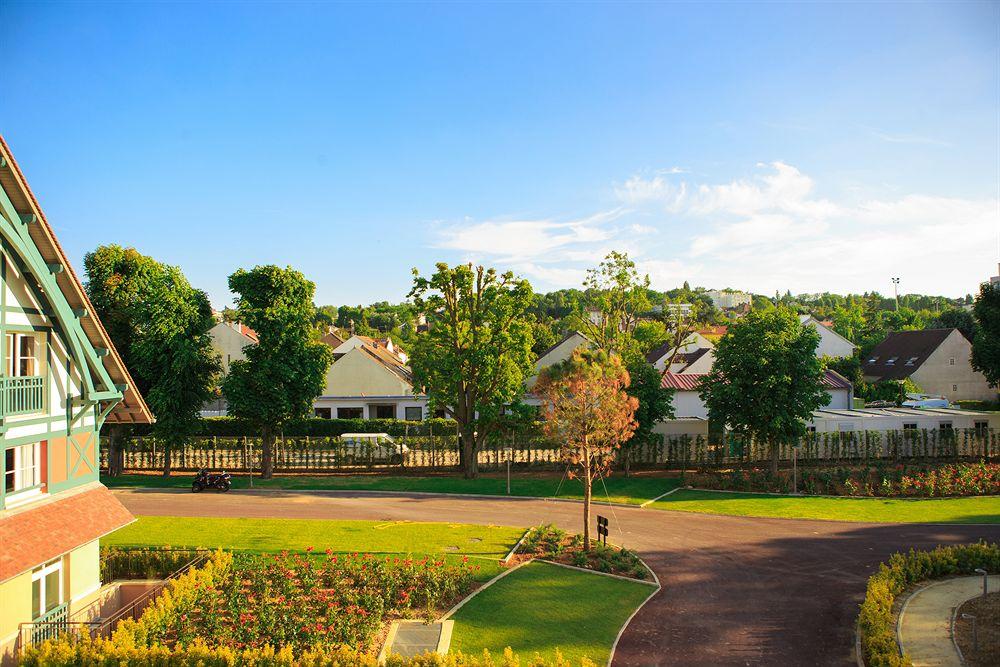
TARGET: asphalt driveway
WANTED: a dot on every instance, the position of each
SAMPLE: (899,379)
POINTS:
(736,590)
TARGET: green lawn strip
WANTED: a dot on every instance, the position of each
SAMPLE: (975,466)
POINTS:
(484,545)
(541,608)
(632,490)
(889,510)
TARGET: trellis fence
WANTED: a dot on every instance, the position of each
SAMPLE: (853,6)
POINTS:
(427,452)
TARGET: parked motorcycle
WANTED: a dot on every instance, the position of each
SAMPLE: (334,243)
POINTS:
(211,480)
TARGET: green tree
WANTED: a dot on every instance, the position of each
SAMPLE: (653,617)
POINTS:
(160,324)
(587,410)
(286,369)
(955,318)
(615,297)
(655,403)
(766,380)
(476,352)
(986,344)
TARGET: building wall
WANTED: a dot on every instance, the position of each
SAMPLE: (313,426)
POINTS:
(689,404)
(677,427)
(938,375)
(831,344)
(367,404)
(15,608)
(840,399)
(229,344)
(357,374)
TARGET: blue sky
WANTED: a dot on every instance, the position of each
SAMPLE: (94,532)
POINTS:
(768,147)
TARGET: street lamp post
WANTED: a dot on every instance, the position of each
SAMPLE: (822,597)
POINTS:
(895,291)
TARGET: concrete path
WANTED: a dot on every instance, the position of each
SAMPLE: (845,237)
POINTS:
(736,590)
(924,627)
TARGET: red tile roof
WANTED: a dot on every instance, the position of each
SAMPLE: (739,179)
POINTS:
(689,381)
(33,535)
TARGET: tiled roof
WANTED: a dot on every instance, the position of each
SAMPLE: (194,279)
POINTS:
(714,331)
(902,352)
(248,332)
(389,360)
(32,535)
(690,381)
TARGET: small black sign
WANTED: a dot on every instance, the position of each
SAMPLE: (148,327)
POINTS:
(602,528)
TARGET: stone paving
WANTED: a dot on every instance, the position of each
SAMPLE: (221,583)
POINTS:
(924,628)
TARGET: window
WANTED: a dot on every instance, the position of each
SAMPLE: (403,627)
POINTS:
(413,414)
(873,360)
(810,429)
(911,361)
(945,426)
(891,361)
(350,413)
(909,426)
(981,427)
(323,413)
(22,468)
(954,387)
(46,588)
(21,352)
(951,362)
(384,411)
(440,413)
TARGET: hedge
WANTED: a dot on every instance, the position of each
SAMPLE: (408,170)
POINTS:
(876,622)
(315,426)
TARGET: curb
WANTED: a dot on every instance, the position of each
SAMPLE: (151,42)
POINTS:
(650,502)
(510,554)
(603,574)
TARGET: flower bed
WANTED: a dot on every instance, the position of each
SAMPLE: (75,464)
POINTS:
(554,544)
(921,481)
(876,622)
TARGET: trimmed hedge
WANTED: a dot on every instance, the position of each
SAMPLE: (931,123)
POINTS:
(315,426)
(876,622)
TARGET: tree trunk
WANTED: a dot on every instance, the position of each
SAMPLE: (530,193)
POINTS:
(470,461)
(775,448)
(116,453)
(586,500)
(267,453)
(166,459)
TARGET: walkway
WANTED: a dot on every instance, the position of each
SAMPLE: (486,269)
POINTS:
(736,590)
(925,623)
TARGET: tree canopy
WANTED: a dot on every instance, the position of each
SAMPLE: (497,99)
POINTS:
(159,324)
(986,343)
(286,369)
(766,380)
(476,352)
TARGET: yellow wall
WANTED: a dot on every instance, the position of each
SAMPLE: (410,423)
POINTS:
(357,374)
(84,570)
(15,608)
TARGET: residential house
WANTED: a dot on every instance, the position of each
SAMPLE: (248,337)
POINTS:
(831,343)
(692,345)
(558,353)
(830,419)
(937,360)
(369,379)
(61,381)
(229,339)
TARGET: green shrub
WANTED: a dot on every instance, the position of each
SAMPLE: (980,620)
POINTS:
(876,624)
(143,563)
(314,426)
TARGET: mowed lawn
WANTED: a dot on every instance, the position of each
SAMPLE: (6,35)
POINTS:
(541,608)
(484,545)
(633,490)
(876,510)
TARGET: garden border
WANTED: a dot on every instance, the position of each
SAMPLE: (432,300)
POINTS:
(826,495)
(664,495)
(461,603)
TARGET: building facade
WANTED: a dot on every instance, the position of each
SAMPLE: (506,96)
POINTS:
(61,380)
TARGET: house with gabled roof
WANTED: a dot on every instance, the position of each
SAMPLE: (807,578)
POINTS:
(61,380)
(937,360)
(369,379)
(831,343)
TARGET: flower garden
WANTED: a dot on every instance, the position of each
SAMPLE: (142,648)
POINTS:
(884,480)
(551,543)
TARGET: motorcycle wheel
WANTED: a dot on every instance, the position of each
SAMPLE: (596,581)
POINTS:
(196,487)
(226,486)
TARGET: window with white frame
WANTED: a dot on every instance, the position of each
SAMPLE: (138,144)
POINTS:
(46,588)
(21,352)
(22,468)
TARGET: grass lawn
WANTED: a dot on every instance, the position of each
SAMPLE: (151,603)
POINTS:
(635,490)
(483,544)
(541,608)
(902,510)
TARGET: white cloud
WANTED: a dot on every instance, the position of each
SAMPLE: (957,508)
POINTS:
(767,233)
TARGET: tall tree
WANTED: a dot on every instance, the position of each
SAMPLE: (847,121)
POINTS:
(588,411)
(476,352)
(766,380)
(286,369)
(615,297)
(655,403)
(160,325)
(986,344)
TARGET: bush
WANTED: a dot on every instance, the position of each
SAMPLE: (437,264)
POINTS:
(313,426)
(876,624)
(143,563)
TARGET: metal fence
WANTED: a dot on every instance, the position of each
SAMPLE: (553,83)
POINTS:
(422,452)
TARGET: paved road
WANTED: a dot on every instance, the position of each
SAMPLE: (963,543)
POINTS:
(736,591)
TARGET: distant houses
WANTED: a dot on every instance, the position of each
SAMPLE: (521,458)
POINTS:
(936,360)
(831,343)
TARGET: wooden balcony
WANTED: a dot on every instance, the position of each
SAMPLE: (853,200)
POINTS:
(21,395)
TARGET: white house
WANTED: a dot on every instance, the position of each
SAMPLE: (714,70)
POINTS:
(728,299)
(229,339)
(369,379)
(937,360)
(558,353)
(692,344)
(831,343)
(901,419)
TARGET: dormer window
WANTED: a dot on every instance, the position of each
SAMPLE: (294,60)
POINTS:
(891,361)
(911,361)
(873,360)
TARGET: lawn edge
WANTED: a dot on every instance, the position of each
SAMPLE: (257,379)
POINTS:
(461,603)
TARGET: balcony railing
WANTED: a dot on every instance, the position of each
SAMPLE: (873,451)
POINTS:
(21,395)
(50,625)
